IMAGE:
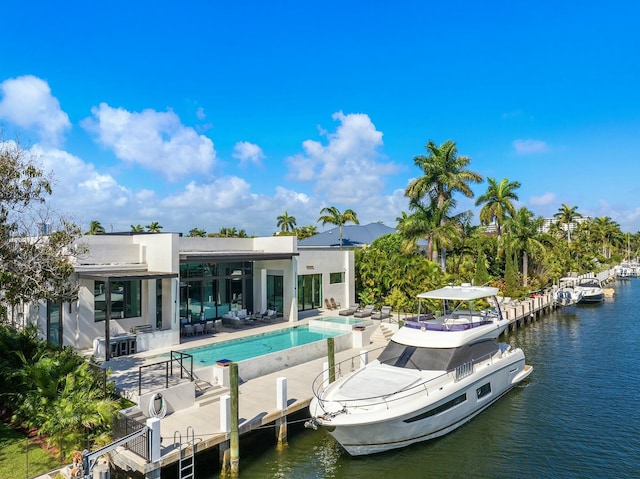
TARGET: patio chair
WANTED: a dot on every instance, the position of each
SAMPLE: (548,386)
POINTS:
(350,310)
(384,313)
(199,328)
(365,312)
(270,315)
(334,305)
(209,327)
(327,304)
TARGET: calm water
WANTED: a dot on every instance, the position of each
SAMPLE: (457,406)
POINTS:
(578,416)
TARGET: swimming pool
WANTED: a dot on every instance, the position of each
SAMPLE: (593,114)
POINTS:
(257,345)
(338,323)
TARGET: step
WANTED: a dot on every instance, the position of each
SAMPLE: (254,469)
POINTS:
(211,396)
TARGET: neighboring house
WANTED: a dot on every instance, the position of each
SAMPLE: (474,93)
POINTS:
(153,282)
(353,236)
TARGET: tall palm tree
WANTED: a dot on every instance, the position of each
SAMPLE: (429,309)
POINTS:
(445,173)
(137,228)
(497,202)
(335,217)
(95,228)
(154,227)
(286,222)
(567,215)
(197,233)
(522,237)
(607,231)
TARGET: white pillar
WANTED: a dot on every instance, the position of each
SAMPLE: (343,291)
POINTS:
(281,393)
(153,423)
(225,413)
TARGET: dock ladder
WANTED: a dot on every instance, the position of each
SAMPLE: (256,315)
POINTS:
(186,464)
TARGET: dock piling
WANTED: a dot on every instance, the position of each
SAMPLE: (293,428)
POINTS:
(332,359)
(281,404)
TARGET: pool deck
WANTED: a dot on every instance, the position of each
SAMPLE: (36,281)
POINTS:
(257,397)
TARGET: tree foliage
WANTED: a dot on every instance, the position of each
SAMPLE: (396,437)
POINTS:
(36,246)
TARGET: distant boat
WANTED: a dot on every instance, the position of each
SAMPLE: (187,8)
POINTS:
(435,375)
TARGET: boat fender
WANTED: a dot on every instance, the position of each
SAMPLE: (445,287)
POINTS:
(159,412)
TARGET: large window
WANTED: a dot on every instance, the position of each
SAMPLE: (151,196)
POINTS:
(126,299)
(309,291)
(209,290)
(275,292)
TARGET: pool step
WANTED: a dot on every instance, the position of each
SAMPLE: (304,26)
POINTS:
(383,333)
(211,395)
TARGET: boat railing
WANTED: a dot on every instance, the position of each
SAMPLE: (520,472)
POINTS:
(348,366)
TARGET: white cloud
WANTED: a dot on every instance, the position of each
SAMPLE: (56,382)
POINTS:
(526,147)
(248,153)
(546,199)
(27,102)
(157,141)
(348,168)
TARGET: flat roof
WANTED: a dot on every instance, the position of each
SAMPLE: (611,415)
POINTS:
(116,275)
(192,256)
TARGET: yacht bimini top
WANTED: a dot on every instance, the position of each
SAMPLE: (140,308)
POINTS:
(465,292)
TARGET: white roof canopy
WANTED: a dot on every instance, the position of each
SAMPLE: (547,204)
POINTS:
(460,293)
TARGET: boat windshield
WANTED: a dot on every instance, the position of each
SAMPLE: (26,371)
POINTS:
(434,359)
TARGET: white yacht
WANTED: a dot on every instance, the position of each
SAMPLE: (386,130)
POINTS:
(591,289)
(436,374)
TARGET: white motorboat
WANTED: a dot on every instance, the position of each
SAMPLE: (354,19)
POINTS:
(591,289)
(436,374)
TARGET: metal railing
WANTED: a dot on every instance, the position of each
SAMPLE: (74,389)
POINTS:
(176,358)
(140,445)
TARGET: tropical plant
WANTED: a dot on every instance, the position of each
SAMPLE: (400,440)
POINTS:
(154,227)
(444,173)
(497,202)
(522,237)
(197,233)
(566,216)
(306,231)
(137,228)
(95,228)
(286,223)
(333,216)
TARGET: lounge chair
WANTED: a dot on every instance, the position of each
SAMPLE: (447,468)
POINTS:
(350,310)
(327,304)
(334,305)
(365,312)
(270,315)
(384,313)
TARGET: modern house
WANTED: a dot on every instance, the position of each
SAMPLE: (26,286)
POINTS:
(141,287)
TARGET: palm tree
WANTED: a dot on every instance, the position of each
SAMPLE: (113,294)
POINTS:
(335,217)
(137,228)
(497,202)
(444,174)
(566,215)
(306,231)
(196,232)
(154,227)
(286,222)
(95,228)
(522,231)
(607,231)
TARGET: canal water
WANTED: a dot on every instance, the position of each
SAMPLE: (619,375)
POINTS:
(577,416)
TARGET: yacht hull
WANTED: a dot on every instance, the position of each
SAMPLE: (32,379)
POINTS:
(435,415)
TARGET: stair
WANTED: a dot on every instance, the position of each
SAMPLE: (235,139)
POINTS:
(211,395)
(383,333)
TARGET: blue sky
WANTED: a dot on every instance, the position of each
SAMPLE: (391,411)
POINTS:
(226,114)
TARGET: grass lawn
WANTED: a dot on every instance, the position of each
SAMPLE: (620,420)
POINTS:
(14,460)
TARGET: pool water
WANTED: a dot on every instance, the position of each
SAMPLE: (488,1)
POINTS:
(342,320)
(257,345)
